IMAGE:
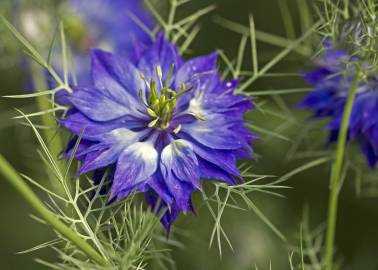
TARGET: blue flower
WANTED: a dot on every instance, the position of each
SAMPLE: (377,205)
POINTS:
(160,124)
(332,80)
(107,24)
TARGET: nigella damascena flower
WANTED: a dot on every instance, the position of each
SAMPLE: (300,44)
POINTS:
(332,81)
(107,24)
(160,123)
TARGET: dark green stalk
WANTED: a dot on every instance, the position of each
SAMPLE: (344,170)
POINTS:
(12,177)
(336,173)
(52,137)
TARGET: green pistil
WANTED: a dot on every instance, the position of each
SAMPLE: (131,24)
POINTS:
(161,107)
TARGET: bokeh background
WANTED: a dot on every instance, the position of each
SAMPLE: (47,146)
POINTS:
(253,242)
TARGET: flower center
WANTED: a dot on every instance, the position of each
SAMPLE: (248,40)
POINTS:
(161,104)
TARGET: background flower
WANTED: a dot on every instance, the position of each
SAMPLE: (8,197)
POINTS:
(166,123)
(106,24)
(332,80)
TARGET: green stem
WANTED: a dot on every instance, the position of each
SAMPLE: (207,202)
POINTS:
(52,137)
(337,172)
(31,198)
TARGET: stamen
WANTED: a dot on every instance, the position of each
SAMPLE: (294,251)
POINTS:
(151,112)
(177,129)
(169,76)
(153,123)
(141,97)
(159,73)
(143,78)
(153,96)
(197,116)
(160,106)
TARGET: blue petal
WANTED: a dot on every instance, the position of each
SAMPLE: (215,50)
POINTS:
(210,171)
(97,106)
(157,183)
(81,150)
(181,192)
(333,58)
(120,137)
(314,76)
(196,68)
(78,123)
(224,159)
(99,159)
(368,150)
(117,78)
(215,133)
(208,104)
(107,150)
(140,187)
(169,215)
(136,164)
(162,54)
(179,158)
(318,99)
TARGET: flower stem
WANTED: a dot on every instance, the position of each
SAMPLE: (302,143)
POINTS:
(30,197)
(52,137)
(337,172)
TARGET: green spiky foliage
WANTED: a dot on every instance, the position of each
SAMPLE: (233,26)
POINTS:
(123,235)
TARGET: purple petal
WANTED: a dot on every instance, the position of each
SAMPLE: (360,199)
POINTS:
(169,215)
(97,106)
(99,159)
(180,159)
(214,133)
(117,78)
(162,54)
(136,164)
(181,192)
(196,69)
(210,171)
(224,159)
(157,183)
(313,77)
(370,154)
(78,123)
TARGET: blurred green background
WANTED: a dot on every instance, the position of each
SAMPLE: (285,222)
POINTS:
(253,242)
